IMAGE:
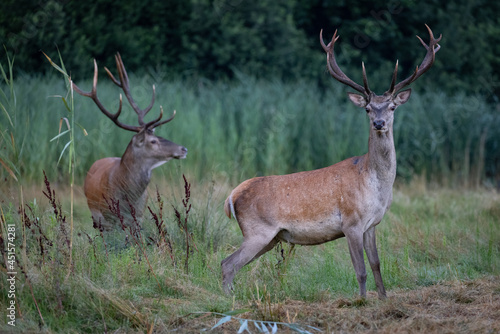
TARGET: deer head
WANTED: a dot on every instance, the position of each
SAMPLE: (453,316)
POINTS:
(380,108)
(145,147)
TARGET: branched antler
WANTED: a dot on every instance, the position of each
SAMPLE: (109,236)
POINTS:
(124,84)
(337,73)
(335,70)
(426,64)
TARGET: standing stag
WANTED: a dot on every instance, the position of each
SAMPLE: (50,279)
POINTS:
(347,199)
(124,180)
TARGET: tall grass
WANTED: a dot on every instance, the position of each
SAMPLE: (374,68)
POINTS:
(251,127)
(428,237)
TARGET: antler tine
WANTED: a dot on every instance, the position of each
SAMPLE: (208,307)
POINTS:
(93,95)
(426,64)
(335,70)
(110,75)
(394,76)
(156,122)
(125,85)
(365,79)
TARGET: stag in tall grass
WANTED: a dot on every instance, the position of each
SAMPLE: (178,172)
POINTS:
(119,184)
(348,199)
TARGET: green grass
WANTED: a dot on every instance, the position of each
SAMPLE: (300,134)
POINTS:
(428,237)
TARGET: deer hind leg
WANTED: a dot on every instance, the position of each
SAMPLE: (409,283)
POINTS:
(372,254)
(252,247)
(355,243)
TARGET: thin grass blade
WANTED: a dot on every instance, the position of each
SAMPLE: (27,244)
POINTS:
(66,104)
(244,326)
(55,65)
(222,321)
(6,114)
(62,152)
(59,135)
(239,311)
(11,173)
(261,327)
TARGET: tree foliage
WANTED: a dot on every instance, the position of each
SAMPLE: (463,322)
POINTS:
(273,39)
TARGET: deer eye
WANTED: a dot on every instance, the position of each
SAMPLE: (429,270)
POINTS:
(367,110)
(393,108)
(154,141)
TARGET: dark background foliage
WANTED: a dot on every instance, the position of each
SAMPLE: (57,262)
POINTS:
(275,39)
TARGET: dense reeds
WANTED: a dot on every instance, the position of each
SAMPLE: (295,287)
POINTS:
(250,127)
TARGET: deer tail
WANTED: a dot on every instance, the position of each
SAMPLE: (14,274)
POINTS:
(229,207)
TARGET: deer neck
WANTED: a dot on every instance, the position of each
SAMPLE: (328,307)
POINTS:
(133,175)
(382,155)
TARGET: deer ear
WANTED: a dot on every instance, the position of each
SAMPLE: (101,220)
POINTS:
(358,100)
(402,97)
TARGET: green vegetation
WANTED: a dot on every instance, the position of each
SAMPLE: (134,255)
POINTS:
(272,39)
(169,277)
(267,107)
(429,237)
(255,127)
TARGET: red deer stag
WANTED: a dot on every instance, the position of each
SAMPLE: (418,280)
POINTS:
(347,199)
(124,180)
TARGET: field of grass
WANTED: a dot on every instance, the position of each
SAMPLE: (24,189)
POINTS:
(439,244)
(439,251)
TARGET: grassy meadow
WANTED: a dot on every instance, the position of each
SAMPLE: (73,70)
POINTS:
(439,244)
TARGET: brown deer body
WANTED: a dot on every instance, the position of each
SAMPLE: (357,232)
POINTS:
(121,182)
(347,199)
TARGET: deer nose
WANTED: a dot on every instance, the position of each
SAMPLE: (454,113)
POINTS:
(183,149)
(379,124)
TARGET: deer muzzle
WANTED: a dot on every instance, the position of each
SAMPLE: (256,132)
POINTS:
(379,124)
(183,153)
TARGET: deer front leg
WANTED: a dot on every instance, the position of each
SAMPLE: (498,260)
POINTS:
(355,243)
(99,221)
(372,254)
